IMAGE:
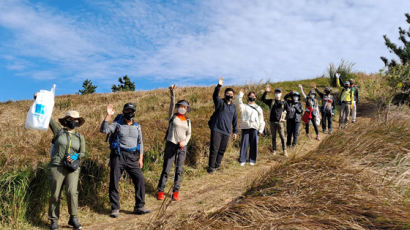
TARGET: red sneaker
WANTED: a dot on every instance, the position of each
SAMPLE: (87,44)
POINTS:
(160,195)
(175,196)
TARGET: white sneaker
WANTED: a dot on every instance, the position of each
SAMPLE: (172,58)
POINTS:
(252,164)
(242,164)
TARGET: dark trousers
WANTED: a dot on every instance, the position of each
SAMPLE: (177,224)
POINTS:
(172,153)
(129,162)
(217,149)
(313,121)
(277,127)
(249,139)
(292,127)
(327,118)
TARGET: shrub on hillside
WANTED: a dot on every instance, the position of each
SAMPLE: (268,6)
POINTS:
(345,69)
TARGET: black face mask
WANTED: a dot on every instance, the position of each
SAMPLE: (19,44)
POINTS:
(72,124)
(129,116)
(228,97)
(251,99)
(327,92)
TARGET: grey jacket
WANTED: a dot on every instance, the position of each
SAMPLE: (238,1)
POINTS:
(130,135)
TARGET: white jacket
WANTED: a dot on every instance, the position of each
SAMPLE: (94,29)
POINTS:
(251,115)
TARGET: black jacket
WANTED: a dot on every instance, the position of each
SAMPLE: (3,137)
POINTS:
(224,117)
(276,107)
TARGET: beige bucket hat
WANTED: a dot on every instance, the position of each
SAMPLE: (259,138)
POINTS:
(73,114)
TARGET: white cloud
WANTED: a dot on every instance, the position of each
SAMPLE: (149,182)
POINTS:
(280,40)
(241,40)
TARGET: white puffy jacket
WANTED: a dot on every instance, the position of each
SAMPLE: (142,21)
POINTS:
(251,115)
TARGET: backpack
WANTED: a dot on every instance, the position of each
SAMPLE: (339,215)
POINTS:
(114,138)
(327,105)
(172,120)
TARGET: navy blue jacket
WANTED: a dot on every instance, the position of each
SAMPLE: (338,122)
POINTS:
(225,116)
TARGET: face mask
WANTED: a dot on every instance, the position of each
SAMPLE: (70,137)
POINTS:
(327,92)
(228,97)
(72,124)
(129,116)
(278,95)
(251,99)
(181,110)
(295,99)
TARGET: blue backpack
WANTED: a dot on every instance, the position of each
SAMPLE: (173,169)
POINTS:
(114,138)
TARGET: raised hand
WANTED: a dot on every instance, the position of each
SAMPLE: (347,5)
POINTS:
(300,86)
(268,88)
(337,75)
(110,110)
(221,81)
(172,87)
(242,91)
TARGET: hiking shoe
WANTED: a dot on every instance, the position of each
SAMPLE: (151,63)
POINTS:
(242,164)
(74,222)
(308,135)
(115,213)
(160,195)
(353,121)
(210,170)
(285,153)
(274,152)
(324,131)
(54,225)
(252,163)
(330,132)
(318,138)
(141,211)
(175,196)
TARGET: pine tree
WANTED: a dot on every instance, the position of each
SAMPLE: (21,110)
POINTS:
(88,87)
(125,85)
(403,52)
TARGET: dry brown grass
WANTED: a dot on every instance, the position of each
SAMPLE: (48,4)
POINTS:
(358,178)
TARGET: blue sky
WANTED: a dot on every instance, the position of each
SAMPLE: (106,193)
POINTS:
(157,43)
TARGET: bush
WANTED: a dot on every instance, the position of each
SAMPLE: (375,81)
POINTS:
(345,69)
(398,78)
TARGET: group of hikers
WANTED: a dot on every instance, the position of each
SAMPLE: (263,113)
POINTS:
(126,142)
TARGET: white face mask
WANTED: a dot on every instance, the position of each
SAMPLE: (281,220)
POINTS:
(181,110)
(278,95)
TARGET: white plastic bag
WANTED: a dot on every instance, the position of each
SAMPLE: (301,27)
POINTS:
(39,115)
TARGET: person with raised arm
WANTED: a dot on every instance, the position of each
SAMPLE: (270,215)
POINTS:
(252,124)
(127,154)
(177,137)
(311,112)
(277,117)
(222,122)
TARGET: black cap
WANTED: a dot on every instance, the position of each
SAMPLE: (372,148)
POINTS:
(130,106)
(278,90)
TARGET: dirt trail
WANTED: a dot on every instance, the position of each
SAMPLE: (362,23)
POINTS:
(202,194)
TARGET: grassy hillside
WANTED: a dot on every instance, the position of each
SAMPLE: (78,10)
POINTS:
(357,178)
(24,154)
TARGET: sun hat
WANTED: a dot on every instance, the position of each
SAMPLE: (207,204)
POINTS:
(73,114)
